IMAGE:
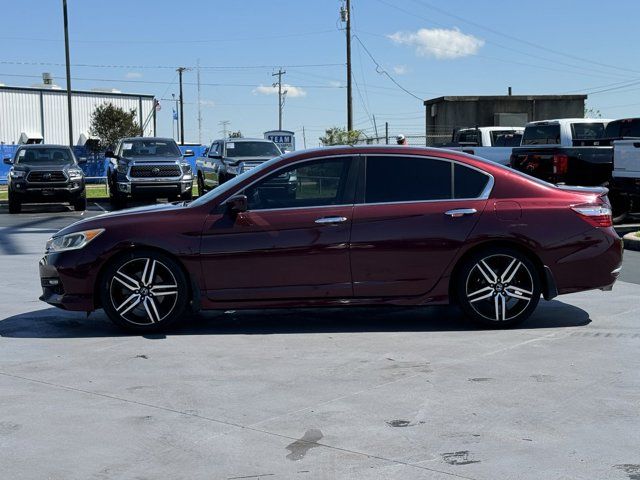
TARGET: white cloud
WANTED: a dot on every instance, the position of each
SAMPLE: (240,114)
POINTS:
(439,43)
(271,90)
(335,83)
(133,75)
(401,69)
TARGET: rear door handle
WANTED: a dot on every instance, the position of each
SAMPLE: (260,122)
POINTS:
(325,220)
(460,212)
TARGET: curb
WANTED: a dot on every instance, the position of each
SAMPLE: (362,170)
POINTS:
(631,242)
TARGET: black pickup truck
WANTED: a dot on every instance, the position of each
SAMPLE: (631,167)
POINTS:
(45,174)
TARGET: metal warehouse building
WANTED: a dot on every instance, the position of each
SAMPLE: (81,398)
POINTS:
(39,114)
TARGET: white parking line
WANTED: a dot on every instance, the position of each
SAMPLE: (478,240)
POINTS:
(96,204)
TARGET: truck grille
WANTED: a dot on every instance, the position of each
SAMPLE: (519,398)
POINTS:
(249,165)
(46,176)
(152,171)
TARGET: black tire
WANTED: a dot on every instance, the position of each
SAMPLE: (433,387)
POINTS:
(222,178)
(116,199)
(15,205)
(187,196)
(498,287)
(80,203)
(201,188)
(621,206)
(143,306)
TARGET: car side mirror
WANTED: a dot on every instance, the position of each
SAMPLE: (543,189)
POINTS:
(8,161)
(188,153)
(236,204)
(110,154)
(82,160)
(206,152)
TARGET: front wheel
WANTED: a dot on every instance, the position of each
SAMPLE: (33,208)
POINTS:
(498,287)
(80,203)
(144,291)
(15,205)
(201,188)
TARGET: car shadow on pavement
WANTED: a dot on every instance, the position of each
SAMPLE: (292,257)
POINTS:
(54,323)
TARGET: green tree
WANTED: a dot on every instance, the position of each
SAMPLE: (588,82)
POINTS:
(340,136)
(110,123)
(237,134)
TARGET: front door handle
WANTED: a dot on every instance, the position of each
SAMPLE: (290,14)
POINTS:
(325,220)
(460,212)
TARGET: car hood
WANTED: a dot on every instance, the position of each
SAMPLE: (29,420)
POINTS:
(106,219)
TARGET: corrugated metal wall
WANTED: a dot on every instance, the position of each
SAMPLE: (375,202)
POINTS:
(20,112)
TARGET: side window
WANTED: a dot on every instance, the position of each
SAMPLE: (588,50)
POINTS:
(406,179)
(467,182)
(214,149)
(310,184)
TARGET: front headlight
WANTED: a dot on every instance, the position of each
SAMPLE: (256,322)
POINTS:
(122,168)
(75,174)
(72,241)
(186,168)
(18,174)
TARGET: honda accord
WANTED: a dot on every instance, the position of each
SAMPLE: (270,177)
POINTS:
(341,226)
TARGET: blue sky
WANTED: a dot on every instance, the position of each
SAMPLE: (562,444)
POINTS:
(430,47)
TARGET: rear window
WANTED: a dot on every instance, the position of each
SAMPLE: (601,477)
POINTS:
(587,131)
(501,138)
(623,128)
(469,136)
(541,135)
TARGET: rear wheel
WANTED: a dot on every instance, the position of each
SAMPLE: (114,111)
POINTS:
(498,287)
(620,206)
(15,205)
(144,291)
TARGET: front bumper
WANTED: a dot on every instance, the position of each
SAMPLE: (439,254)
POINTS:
(28,191)
(149,188)
(67,282)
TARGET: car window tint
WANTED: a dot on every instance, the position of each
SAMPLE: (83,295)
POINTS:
(469,136)
(468,183)
(541,135)
(587,131)
(405,179)
(310,184)
(500,138)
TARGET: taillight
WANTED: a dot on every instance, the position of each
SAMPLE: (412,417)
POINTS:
(560,164)
(597,215)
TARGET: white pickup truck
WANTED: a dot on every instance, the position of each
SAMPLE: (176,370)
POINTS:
(624,186)
(492,143)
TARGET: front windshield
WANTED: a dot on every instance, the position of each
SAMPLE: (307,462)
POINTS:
(230,184)
(44,156)
(150,148)
(252,149)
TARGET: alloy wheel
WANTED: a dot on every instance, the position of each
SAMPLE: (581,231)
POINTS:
(143,291)
(499,287)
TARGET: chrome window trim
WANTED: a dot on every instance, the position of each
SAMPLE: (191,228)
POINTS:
(486,193)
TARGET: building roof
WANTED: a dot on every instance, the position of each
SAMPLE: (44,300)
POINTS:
(98,93)
(494,98)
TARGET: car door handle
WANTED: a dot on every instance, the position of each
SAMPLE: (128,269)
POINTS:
(325,220)
(460,212)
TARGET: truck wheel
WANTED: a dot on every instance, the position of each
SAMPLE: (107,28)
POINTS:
(201,188)
(15,206)
(116,199)
(80,203)
(187,196)
(620,206)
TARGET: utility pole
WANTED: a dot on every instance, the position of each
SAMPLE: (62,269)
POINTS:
(345,15)
(375,127)
(199,106)
(304,138)
(66,51)
(279,74)
(386,133)
(180,70)
(224,124)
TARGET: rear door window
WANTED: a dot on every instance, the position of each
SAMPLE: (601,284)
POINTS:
(468,182)
(407,179)
(541,135)
(587,131)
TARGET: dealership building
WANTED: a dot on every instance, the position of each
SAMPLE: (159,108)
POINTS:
(38,114)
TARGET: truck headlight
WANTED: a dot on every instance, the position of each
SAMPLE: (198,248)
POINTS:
(18,174)
(122,168)
(75,174)
(72,241)
(186,168)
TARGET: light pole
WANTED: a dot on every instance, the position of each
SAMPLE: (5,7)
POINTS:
(66,50)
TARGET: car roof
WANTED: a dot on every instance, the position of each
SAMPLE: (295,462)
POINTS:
(243,139)
(43,145)
(569,120)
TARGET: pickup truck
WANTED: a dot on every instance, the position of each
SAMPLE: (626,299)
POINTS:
(492,143)
(148,167)
(572,151)
(45,174)
(625,180)
(229,157)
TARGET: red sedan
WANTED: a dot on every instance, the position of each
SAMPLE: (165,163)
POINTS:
(342,226)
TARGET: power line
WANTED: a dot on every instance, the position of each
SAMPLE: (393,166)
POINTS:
(172,67)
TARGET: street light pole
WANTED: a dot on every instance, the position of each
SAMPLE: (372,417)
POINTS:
(279,74)
(349,99)
(66,50)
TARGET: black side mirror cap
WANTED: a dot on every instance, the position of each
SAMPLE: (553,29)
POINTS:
(8,161)
(237,204)
(188,153)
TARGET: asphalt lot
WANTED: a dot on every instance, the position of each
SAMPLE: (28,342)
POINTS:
(358,393)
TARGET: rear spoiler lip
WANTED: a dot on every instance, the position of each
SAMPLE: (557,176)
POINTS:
(600,191)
